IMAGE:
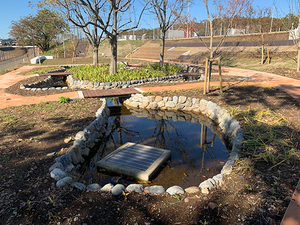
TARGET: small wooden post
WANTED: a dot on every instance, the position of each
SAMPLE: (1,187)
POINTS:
(201,138)
(130,53)
(262,53)
(298,58)
(205,76)
(268,53)
(213,140)
(209,74)
(205,135)
(220,75)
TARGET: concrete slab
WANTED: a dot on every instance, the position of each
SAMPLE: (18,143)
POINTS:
(292,215)
(135,160)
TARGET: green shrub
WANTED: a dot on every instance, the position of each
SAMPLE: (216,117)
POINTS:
(63,99)
(101,73)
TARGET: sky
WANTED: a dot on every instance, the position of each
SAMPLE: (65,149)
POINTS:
(13,10)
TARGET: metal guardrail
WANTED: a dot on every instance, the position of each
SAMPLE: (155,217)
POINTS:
(233,43)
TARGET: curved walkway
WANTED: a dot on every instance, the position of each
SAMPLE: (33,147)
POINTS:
(13,77)
(290,86)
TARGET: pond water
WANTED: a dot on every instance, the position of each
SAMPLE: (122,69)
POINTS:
(191,162)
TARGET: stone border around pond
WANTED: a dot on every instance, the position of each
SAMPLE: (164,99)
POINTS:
(230,127)
(44,85)
(177,115)
(62,170)
(72,83)
(65,168)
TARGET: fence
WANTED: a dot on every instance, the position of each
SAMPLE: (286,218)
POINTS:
(5,55)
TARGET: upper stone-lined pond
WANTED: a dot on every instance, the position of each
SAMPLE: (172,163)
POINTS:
(196,152)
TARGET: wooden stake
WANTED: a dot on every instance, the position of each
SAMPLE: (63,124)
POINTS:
(201,141)
(220,75)
(205,135)
(213,140)
(268,53)
(130,53)
(205,76)
(298,58)
(209,75)
(262,53)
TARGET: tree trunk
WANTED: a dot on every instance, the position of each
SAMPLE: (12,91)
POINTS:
(163,36)
(162,49)
(113,43)
(298,59)
(262,48)
(114,58)
(211,52)
(94,40)
(95,54)
(211,29)
(211,39)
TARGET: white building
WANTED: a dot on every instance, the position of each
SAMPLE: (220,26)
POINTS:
(233,31)
(171,34)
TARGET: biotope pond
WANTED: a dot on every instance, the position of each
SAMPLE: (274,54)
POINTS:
(198,149)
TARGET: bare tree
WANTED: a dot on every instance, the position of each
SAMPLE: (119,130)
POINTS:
(81,15)
(262,14)
(294,8)
(225,11)
(103,14)
(167,13)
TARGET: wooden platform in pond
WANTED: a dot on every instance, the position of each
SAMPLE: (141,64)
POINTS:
(118,111)
(135,160)
(109,93)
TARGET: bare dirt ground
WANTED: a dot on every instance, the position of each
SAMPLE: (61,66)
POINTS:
(258,190)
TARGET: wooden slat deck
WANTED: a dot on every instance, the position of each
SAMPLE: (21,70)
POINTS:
(56,74)
(109,93)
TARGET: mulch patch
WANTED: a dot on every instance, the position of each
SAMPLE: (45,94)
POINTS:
(252,194)
(291,73)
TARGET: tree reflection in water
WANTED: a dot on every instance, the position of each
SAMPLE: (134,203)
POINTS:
(196,152)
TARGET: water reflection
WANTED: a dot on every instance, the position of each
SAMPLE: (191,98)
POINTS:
(196,152)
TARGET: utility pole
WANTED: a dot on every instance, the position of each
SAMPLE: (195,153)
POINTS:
(188,19)
(272,18)
(221,29)
(64,45)
(153,30)
(133,30)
